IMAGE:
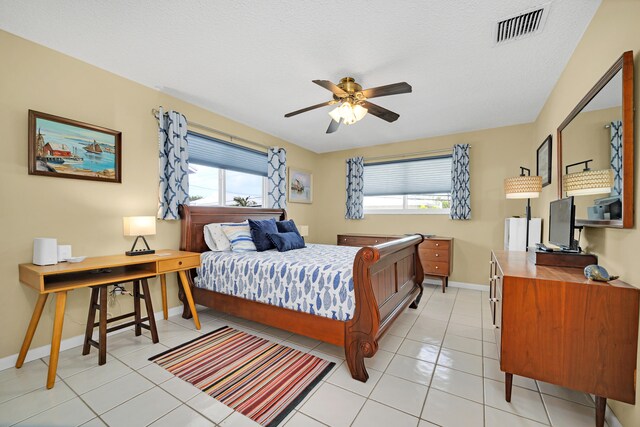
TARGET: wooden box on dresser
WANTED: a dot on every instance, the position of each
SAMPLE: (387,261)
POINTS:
(554,325)
(436,253)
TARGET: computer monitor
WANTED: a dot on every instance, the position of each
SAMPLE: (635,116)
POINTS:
(562,223)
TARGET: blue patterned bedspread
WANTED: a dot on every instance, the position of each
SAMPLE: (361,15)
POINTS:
(317,279)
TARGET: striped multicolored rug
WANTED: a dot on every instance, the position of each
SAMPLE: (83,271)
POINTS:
(252,375)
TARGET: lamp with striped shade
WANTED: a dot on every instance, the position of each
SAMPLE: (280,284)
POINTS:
(524,187)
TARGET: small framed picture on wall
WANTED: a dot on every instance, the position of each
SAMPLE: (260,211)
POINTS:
(543,163)
(300,186)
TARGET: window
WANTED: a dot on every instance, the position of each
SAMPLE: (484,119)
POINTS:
(221,173)
(413,186)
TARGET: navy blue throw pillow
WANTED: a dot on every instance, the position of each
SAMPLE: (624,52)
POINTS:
(259,233)
(286,241)
(287,226)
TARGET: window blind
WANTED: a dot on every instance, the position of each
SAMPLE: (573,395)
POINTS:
(415,176)
(208,151)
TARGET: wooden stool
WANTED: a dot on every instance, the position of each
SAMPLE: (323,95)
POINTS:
(100,292)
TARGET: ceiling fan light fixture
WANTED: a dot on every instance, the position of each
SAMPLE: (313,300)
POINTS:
(348,112)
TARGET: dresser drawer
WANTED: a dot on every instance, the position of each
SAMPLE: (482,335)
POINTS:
(441,255)
(435,244)
(437,268)
(178,264)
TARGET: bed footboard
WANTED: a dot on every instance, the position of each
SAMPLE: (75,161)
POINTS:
(387,279)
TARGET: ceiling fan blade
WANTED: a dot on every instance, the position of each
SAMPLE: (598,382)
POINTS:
(333,126)
(331,87)
(392,89)
(380,112)
(313,107)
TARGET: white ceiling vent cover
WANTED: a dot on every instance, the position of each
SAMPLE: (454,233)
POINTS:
(522,25)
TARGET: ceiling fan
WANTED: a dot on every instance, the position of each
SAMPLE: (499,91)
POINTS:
(353,101)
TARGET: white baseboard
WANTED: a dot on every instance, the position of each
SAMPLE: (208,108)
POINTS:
(37,353)
(463,285)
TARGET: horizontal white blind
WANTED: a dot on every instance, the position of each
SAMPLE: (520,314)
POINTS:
(415,176)
(204,150)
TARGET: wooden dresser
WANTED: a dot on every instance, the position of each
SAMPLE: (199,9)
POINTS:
(436,253)
(554,325)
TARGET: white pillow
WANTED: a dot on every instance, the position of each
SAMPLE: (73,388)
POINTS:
(215,238)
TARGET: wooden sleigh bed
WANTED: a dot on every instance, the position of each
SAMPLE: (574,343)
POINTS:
(387,278)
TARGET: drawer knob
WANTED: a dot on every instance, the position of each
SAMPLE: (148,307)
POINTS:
(437,254)
(437,244)
(376,241)
(437,267)
(179,262)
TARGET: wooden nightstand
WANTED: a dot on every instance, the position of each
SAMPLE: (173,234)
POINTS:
(64,277)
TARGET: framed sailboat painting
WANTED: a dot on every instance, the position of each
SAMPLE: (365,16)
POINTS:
(67,148)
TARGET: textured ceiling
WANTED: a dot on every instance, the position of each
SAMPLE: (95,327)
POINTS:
(253,61)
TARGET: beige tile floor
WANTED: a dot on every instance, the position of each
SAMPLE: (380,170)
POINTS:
(436,366)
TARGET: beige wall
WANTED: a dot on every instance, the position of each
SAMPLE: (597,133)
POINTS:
(614,29)
(495,154)
(85,214)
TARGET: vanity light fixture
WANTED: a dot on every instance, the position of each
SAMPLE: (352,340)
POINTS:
(588,181)
(524,187)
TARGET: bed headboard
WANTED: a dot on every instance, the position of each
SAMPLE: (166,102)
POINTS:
(194,218)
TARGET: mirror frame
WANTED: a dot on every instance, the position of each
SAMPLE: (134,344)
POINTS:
(625,63)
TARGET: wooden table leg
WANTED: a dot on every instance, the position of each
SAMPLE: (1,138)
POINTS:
(61,300)
(91,319)
(102,326)
(601,407)
(149,306)
(187,294)
(31,330)
(508,383)
(163,288)
(136,307)
(443,283)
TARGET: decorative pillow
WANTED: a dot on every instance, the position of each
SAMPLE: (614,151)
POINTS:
(240,236)
(286,241)
(259,230)
(287,226)
(215,238)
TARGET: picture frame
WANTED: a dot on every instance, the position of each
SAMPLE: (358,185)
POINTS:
(300,186)
(66,148)
(543,161)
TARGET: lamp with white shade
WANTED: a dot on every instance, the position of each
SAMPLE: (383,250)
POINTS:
(524,187)
(139,226)
(588,181)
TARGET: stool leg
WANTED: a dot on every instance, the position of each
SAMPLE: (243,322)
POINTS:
(136,306)
(152,319)
(91,319)
(102,348)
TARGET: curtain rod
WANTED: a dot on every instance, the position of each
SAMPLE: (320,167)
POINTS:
(420,153)
(155,112)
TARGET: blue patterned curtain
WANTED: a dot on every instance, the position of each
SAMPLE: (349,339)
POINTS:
(174,164)
(355,188)
(616,157)
(460,185)
(277,178)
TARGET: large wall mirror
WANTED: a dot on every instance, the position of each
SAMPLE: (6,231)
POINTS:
(595,151)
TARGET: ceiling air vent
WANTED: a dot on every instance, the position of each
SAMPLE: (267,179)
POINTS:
(522,25)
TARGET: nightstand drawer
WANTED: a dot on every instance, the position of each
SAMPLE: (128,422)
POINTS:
(441,255)
(178,264)
(436,267)
(435,244)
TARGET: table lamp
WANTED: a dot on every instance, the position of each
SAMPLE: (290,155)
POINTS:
(524,187)
(139,226)
(588,181)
